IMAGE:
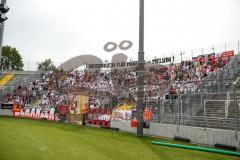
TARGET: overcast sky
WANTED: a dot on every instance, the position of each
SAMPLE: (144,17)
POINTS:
(62,29)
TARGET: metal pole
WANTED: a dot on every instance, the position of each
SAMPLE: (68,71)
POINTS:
(181,53)
(179,118)
(238,47)
(236,109)
(1,39)
(118,101)
(159,109)
(190,105)
(141,71)
(1,33)
(213,49)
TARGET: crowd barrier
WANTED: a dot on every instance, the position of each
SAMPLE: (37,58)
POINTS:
(50,113)
(99,117)
(61,113)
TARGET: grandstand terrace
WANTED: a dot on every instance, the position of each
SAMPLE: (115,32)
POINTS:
(199,93)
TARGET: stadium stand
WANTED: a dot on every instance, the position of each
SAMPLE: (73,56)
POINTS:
(187,93)
(18,78)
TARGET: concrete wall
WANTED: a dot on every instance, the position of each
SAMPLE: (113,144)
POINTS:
(205,136)
(6,112)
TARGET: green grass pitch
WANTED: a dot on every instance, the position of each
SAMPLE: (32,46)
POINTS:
(25,139)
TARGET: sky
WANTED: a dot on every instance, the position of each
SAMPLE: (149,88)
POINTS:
(62,29)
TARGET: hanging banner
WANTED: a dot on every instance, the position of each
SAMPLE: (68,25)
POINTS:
(227,54)
(73,104)
(7,106)
(47,113)
(63,112)
(123,113)
(78,107)
(163,60)
(204,58)
(83,101)
(99,117)
(77,102)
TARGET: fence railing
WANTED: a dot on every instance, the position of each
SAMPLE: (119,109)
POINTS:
(210,110)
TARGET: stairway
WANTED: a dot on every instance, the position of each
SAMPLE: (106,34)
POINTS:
(213,122)
(216,115)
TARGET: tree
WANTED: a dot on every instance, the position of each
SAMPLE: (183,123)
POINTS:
(46,65)
(11,59)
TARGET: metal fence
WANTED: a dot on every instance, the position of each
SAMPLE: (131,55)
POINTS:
(212,103)
(203,109)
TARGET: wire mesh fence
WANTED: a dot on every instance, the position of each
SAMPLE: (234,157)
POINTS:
(210,110)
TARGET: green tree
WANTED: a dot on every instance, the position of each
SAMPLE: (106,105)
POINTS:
(46,65)
(11,59)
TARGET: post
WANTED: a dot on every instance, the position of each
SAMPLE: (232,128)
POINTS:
(159,110)
(227,104)
(180,97)
(190,105)
(213,49)
(201,92)
(110,104)
(238,47)
(140,71)
(204,109)
(236,109)
(1,33)
(1,39)
(181,53)
(178,111)
(118,101)
(37,66)
(28,65)
(163,112)
(218,80)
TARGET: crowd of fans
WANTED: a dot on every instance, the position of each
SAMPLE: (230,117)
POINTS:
(54,87)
